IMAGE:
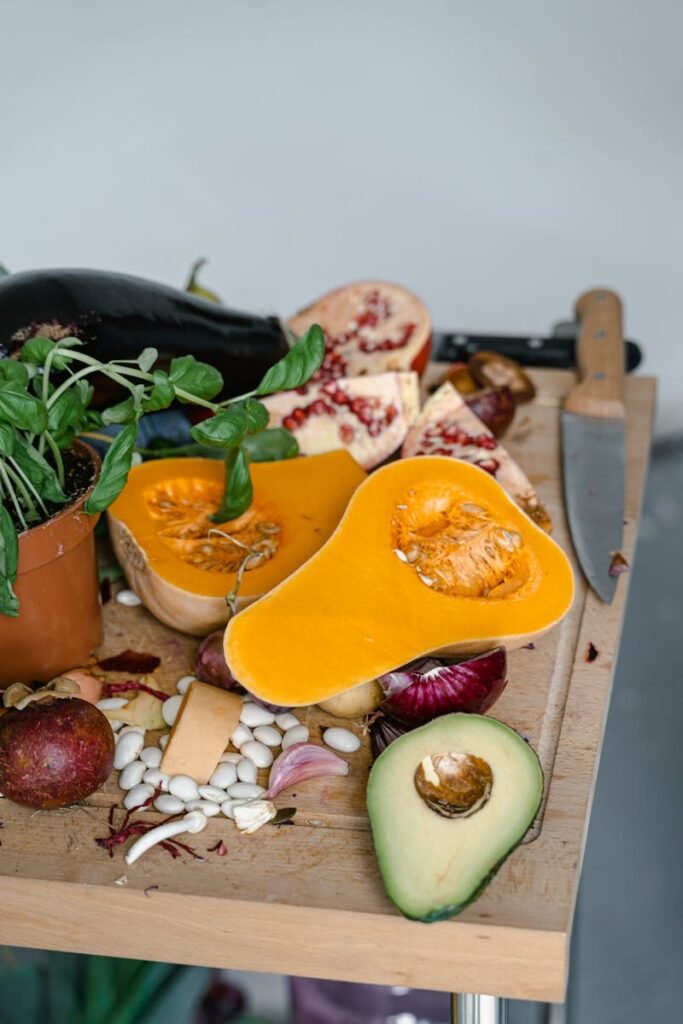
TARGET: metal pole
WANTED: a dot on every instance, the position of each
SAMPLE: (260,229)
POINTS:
(476,1009)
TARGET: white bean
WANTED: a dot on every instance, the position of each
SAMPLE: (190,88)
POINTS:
(137,796)
(223,776)
(183,684)
(259,753)
(163,741)
(128,747)
(168,804)
(114,724)
(254,714)
(184,788)
(298,734)
(286,721)
(230,758)
(111,703)
(242,734)
(159,780)
(228,807)
(151,757)
(129,598)
(213,793)
(207,807)
(266,734)
(132,775)
(341,739)
(170,709)
(132,728)
(245,791)
(246,770)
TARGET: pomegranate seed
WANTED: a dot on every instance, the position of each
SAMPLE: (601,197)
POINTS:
(299,415)
(346,433)
(490,465)
(318,408)
(289,423)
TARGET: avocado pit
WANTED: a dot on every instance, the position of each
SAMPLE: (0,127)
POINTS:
(454,785)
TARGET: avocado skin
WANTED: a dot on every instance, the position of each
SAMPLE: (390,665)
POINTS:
(453,909)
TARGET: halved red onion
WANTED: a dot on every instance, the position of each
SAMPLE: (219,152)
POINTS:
(430,687)
(302,761)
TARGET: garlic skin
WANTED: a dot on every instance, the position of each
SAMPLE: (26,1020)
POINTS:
(252,816)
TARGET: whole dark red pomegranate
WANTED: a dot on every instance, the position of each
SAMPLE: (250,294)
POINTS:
(54,752)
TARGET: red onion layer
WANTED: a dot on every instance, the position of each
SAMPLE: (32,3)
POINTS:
(428,688)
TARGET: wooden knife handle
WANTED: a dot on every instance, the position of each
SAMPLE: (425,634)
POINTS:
(599,357)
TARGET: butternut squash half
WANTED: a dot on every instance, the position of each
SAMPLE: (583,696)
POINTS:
(159,526)
(432,556)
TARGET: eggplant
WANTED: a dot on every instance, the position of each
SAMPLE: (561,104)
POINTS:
(117,315)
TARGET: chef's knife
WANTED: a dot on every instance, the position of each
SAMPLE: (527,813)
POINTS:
(593,445)
(553,352)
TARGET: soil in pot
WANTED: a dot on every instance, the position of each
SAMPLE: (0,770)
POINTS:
(59,622)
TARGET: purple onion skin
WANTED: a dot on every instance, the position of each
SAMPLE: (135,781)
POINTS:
(428,688)
(383,731)
(210,667)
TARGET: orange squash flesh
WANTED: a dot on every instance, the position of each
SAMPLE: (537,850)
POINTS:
(356,609)
(159,528)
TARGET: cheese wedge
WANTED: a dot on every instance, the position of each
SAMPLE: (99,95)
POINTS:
(206,720)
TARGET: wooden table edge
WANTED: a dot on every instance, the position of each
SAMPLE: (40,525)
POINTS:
(218,932)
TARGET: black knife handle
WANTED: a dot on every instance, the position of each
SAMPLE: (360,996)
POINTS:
(554,353)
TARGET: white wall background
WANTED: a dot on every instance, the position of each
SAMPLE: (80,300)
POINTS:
(498,157)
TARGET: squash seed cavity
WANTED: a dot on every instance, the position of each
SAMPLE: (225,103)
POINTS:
(182,508)
(457,547)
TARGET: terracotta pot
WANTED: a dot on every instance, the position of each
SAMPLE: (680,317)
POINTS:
(60,617)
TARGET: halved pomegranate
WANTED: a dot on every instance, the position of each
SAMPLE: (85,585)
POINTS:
(370,327)
(368,415)
(447,426)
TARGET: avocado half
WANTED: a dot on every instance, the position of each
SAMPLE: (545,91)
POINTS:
(434,866)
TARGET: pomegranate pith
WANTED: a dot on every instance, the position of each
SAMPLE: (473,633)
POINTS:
(370,327)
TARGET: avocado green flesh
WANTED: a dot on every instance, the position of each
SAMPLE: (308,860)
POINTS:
(433,866)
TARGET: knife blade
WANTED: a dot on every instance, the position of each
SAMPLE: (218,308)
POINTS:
(593,440)
(552,352)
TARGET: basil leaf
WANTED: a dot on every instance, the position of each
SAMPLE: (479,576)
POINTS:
(41,474)
(22,409)
(126,411)
(65,414)
(256,414)
(9,560)
(147,359)
(271,445)
(13,372)
(9,604)
(239,490)
(6,439)
(36,350)
(198,379)
(114,471)
(300,363)
(224,430)
(161,395)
